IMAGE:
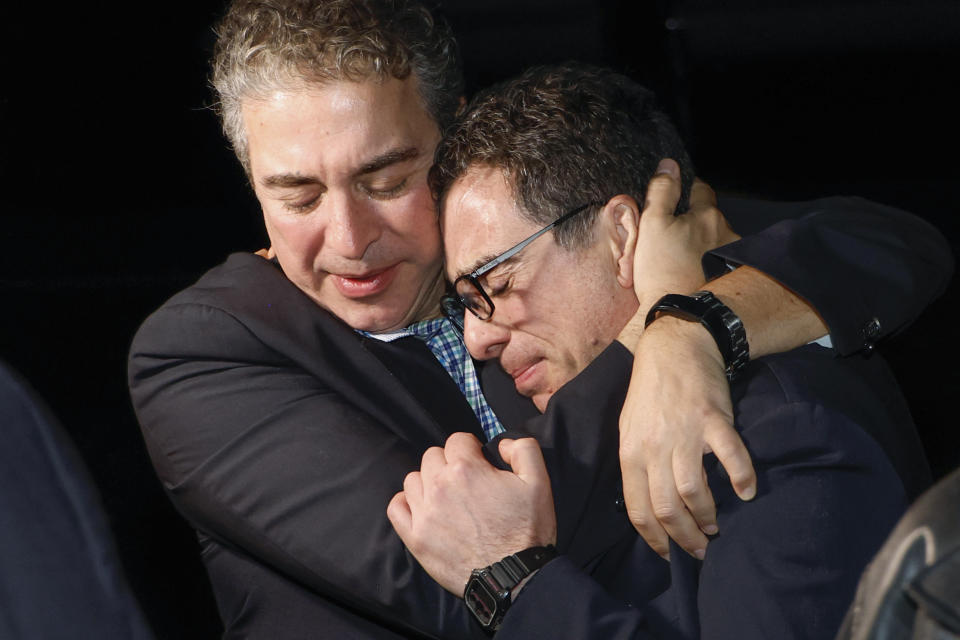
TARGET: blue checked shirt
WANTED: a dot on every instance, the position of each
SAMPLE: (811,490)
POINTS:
(446,343)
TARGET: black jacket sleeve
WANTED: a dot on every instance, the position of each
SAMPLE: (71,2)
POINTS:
(868,269)
(267,457)
(784,565)
(260,451)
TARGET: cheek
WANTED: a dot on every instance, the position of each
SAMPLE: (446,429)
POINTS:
(578,311)
(415,224)
(295,239)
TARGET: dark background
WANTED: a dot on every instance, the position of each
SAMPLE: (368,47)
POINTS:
(118,190)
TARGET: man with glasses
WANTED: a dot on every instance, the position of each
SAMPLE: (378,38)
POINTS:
(282,402)
(836,454)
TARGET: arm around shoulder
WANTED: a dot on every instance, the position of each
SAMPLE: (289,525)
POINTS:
(867,269)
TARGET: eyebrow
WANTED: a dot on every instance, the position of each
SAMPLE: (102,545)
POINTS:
(487,259)
(390,157)
(290,180)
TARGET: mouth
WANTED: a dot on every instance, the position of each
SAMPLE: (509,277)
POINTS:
(525,377)
(366,284)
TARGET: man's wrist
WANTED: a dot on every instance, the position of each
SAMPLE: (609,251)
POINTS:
(690,332)
(722,324)
(490,591)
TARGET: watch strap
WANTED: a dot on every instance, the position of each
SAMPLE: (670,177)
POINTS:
(724,325)
(514,568)
(499,579)
(511,570)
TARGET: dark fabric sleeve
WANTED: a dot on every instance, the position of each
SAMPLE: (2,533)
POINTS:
(579,436)
(868,269)
(260,455)
(561,601)
(60,576)
(785,565)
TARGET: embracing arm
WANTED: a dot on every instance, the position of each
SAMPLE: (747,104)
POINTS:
(867,269)
(262,456)
(451,529)
(786,563)
(844,265)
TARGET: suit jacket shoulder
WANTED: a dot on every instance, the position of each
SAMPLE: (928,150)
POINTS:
(282,435)
(785,564)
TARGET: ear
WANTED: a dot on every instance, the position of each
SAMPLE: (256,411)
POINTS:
(621,222)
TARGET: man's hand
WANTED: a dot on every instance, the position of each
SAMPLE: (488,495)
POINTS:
(678,403)
(678,408)
(460,513)
(670,248)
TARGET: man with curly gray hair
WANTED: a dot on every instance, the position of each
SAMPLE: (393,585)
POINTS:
(264,46)
(283,400)
(387,77)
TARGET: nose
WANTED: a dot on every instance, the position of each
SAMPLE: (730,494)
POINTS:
(485,339)
(352,227)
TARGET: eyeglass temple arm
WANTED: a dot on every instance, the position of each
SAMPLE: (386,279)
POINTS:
(512,251)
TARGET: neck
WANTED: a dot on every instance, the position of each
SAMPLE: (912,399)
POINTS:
(427,304)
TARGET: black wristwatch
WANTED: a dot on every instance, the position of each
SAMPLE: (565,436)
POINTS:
(487,593)
(722,323)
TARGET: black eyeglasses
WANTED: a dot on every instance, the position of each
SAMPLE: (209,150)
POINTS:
(469,293)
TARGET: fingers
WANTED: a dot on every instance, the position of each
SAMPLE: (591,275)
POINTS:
(398,512)
(702,195)
(462,445)
(525,458)
(703,206)
(433,461)
(670,510)
(692,487)
(726,444)
(413,488)
(636,495)
(663,192)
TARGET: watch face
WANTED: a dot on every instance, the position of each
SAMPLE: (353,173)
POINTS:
(481,600)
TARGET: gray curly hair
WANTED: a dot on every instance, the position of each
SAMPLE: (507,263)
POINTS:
(264,45)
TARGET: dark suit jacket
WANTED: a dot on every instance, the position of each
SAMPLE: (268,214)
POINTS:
(837,463)
(60,576)
(281,434)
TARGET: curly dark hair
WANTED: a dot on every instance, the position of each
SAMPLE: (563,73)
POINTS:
(268,44)
(564,135)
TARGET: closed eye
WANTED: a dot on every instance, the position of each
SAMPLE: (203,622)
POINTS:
(499,287)
(385,193)
(303,206)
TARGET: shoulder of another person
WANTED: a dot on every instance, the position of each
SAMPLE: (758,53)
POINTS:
(244,300)
(814,373)
(827,396)
(241,281)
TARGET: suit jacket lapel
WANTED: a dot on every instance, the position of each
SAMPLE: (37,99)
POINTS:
(412,362)
(293,324)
